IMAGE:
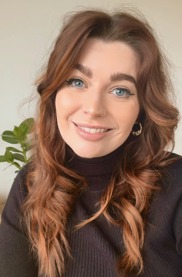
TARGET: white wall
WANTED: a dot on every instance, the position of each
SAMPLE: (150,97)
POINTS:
(27,30)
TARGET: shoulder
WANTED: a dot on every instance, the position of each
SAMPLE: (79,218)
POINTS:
(165,211)
(15,256)
(16,197)
(172,177)
(176,163)
(167,197)
(19,184)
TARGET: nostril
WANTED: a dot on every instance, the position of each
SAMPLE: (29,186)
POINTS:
(95,111)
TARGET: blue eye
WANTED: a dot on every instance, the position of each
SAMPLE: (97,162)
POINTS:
(122,92)
(75,83)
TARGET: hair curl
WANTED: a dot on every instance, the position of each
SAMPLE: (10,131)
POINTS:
(53,189)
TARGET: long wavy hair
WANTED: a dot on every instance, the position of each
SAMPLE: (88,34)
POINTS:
(53,189)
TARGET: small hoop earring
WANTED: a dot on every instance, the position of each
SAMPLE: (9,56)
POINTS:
(139,131)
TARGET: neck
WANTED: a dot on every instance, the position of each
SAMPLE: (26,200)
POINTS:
(93,166)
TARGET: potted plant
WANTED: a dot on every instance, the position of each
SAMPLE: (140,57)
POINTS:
(20,136)
(17,156)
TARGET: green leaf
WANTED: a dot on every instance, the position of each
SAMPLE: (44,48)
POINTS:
(13,149)
(9,156)
(17,133)
(2,159)
(9,137)
(19,157)
(26,125)
(23,130)
(28,122)
(17,165)
(20,133)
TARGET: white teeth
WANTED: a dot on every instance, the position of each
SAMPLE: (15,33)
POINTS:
(92,130)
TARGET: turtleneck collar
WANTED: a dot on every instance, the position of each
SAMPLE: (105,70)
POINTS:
(93,167)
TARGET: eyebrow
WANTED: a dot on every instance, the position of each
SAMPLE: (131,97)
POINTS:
(114,77)
(83,69)
(123,76)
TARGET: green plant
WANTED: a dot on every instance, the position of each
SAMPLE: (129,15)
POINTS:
(20,135)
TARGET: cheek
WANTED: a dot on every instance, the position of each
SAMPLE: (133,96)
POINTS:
(62,101)
(64,105)
(126,116)
(61,108)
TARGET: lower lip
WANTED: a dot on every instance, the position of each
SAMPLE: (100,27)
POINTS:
(90,136)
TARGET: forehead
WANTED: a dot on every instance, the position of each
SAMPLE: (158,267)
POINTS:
(109,57)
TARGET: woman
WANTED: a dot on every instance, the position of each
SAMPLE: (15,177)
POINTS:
(102,196)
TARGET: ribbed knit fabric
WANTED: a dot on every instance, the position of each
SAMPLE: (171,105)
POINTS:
(96,246)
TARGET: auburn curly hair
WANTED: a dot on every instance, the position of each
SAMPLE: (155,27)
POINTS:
(51,186)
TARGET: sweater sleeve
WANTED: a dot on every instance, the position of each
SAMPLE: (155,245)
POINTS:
(178,211)
(15,256)
(178,226)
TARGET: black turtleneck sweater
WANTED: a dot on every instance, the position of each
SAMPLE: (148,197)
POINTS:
(97,246)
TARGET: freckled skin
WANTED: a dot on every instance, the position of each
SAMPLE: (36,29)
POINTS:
(94,101)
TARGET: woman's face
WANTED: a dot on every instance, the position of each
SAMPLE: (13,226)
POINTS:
(98,104)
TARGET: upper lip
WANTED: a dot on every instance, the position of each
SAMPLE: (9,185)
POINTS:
(91,126)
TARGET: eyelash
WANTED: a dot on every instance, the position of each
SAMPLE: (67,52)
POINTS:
(126,92)
(71,81)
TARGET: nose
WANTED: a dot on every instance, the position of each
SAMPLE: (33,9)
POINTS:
(94,104)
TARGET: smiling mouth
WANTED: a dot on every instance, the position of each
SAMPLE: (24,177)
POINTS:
(92,130)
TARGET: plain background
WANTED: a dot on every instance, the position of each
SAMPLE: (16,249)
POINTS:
(27,32)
